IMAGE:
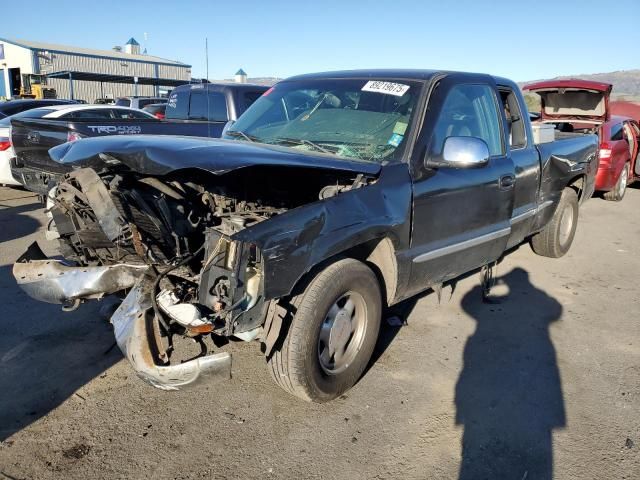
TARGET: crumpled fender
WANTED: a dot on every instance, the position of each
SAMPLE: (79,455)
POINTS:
(296,241)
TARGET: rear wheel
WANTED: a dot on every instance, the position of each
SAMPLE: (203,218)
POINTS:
(555,239)
(332,333)
(620,188)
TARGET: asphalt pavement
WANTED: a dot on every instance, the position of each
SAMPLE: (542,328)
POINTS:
(543,382)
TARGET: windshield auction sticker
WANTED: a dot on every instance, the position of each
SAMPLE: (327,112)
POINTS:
(388,88)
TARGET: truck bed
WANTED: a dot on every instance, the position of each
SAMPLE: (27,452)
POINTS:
(572,155)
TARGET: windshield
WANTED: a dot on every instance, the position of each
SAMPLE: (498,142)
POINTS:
(33,113)
(354,118)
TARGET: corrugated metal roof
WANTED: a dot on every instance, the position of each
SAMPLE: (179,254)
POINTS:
(90,51)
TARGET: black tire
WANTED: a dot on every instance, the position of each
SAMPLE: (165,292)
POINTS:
(295,364)
(555,239)
(620,188)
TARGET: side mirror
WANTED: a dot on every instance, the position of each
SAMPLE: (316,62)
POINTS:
(227,126)
(461,152)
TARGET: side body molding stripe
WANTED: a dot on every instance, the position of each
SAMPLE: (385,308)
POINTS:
(457,247)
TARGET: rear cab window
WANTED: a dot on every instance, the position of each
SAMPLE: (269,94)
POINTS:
(208,106)
(123,102)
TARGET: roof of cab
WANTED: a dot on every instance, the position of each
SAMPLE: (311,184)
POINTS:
(408,74)
(376,73)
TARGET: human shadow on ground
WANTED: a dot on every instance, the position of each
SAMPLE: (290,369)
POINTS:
(46,355)
(509,394)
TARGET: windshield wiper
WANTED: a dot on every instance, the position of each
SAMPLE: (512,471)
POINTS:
(301,141)
(239,133)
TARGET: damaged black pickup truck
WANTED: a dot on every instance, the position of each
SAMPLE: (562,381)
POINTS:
(332,197)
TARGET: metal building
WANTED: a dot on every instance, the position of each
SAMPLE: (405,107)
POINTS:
(86,74)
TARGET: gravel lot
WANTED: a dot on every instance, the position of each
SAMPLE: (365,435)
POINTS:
(543,383)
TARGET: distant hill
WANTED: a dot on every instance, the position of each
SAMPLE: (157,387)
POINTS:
(626,83)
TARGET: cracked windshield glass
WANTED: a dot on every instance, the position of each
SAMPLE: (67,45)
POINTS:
(359,119)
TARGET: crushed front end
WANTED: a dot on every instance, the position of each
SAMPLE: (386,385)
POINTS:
(152,242)
(168,247)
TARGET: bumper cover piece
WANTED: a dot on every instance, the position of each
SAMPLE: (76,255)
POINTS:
(51,281)
(138,337)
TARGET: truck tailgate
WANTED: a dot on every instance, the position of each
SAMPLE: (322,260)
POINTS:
(32,140)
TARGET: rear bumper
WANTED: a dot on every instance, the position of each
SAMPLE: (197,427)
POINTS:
(134,324)
(607,177)
(34,180)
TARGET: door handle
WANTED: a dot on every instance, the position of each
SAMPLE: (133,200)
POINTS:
(507,181)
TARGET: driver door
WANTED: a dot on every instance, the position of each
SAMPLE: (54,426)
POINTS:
(461,216)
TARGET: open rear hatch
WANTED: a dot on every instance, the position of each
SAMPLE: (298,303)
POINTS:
(580,101)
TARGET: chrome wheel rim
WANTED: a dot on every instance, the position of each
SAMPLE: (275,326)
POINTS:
(566,224)
(623,182)
(342,333)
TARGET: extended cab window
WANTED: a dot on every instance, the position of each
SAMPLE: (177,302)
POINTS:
(515,127)
(469,111)
(211,106)
(178,105)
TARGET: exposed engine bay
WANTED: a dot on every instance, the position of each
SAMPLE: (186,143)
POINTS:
(167,245)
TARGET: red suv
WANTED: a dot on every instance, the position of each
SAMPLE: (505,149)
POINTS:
(575,105)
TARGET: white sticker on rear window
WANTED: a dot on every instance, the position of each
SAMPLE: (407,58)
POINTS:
(388,88)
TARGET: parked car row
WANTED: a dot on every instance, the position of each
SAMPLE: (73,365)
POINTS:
(15,172)
(328,197)
(192,110)
(139,102)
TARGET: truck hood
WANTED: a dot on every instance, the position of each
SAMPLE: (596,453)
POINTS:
(573,100)
(161,154)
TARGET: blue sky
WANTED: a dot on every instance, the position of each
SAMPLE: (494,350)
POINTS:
(520,40)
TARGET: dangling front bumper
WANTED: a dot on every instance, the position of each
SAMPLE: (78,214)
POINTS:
(135,326)
(138,337)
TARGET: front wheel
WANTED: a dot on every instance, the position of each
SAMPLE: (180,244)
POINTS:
(332,333)
(555,239)
(620,188)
